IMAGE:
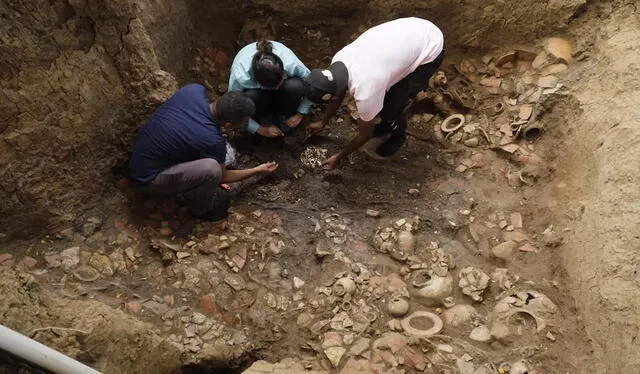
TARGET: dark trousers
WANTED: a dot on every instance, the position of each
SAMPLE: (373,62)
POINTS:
(396,99)
(196,182)
(284,101)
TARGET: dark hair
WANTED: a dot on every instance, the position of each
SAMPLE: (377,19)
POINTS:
(234,107)
(267,67)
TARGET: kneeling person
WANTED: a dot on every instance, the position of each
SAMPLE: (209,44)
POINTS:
(273,77)
(382,69)
(181,149)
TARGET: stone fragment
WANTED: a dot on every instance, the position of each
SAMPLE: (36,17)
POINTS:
(198,318)
(27,263)
(297,283)
(102,264)
(182,255)
(235,281)
(156,307)
(70,257)
(5,257)
(414,192)
(131,254)
(91,226)
(516,220)
(134,306)
(117,259)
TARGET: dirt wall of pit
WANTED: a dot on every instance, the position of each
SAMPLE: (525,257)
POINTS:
(596,196)
(75,79)
(106,339)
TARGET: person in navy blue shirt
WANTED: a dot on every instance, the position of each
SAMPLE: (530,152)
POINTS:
(182,149)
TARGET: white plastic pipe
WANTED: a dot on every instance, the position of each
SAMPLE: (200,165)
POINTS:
(39,354)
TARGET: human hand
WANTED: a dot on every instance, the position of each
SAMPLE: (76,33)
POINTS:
(294,120)
(267,167)
(330,163)
(225,186)
(315,128)
(271,131)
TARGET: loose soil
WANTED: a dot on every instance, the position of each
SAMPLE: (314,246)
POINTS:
(174,294)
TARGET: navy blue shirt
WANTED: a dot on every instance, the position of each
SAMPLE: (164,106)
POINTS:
(181,130)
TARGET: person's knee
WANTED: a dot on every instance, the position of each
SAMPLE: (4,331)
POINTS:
(210,170)
(293,85)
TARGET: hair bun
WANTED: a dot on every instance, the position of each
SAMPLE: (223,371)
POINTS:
(264,46)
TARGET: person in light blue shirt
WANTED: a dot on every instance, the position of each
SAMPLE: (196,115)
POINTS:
(273,77)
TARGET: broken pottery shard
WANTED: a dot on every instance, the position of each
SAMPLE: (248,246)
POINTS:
(559,48)
(480,334)
(511,148)
(528,248)
(548,82)
(516,236)
(360,346)
(540,60)
(476,230)
(334,354)
(473,282)
(491,82)
(332,339)
(505,58)
(240,258)
(86,273)
(372,213)
(504,250)
(554,69)
(516,220)
(525,112)
(181,255)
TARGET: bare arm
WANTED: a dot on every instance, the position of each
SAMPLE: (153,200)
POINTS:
(331,110)
(230,176)
(365,132)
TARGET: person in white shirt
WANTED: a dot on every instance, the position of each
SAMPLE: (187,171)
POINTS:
(382,69)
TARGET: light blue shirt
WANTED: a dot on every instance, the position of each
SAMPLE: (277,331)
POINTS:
(241,77)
